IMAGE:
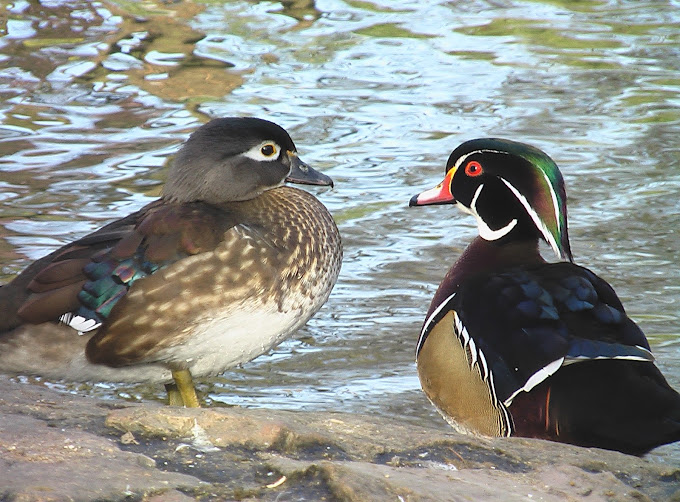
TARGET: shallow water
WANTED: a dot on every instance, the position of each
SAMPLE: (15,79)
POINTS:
(95,96)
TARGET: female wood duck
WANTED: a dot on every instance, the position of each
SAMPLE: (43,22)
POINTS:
(223,267)
(513,345)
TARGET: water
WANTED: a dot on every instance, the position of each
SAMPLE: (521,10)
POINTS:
(94,96)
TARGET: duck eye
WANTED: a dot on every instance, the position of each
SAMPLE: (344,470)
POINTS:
(268,150)
(473,168)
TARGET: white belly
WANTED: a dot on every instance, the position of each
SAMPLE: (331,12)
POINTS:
(217,344)
(224,341)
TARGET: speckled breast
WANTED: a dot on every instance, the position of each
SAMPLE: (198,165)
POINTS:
(267,276)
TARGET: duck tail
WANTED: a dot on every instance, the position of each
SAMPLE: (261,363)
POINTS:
(620,405)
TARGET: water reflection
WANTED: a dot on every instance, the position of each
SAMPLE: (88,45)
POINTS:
(95,95)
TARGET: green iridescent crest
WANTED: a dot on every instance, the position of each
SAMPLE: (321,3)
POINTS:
(549,199)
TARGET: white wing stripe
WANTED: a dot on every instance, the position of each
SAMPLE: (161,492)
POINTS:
(538,377)
(79,323)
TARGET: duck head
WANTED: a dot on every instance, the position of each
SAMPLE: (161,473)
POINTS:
(514,190)
(235,159)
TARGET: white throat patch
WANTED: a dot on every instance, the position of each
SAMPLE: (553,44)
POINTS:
(484,230)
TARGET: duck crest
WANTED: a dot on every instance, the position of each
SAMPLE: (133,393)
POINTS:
(546,202)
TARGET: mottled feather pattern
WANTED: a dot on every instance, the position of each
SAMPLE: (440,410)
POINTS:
(211,275)
(542,314)
(281,234)
(164,235)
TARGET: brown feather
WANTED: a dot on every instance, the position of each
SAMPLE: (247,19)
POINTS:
(59,274)
(160,310)
(127,246)
(161,248)
(50,305)
(56,279)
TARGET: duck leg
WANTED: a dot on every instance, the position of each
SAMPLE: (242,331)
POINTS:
(182,392)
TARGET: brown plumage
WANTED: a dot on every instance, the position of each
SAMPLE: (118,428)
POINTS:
(224,266)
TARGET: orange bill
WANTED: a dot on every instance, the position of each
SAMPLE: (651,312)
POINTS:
(441,194)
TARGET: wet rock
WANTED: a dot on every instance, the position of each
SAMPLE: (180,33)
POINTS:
(43,462)
(59,446)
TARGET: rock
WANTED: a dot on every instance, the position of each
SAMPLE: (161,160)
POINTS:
(43,462)
(58,446)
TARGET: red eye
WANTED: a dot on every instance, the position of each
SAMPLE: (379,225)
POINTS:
(473,168)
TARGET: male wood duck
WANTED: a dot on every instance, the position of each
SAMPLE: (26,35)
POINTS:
(515,346)
(223,267)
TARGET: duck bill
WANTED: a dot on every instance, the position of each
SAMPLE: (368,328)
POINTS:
(441,194)
(303,174)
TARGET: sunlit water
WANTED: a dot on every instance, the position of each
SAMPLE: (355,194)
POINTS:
(95,96)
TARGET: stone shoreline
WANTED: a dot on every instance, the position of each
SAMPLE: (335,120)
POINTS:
(57,446)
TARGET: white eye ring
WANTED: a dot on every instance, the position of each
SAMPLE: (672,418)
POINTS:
(265,151)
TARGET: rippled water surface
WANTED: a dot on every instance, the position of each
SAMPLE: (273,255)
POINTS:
(94,96)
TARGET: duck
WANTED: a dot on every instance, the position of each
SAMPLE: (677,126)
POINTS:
(515,345)
(225,265)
